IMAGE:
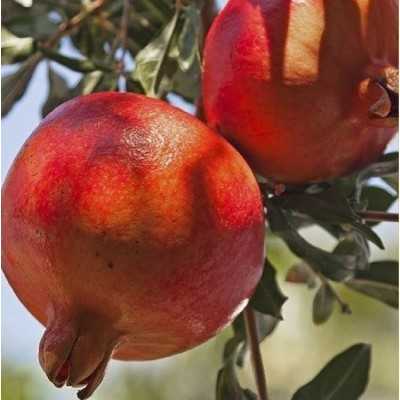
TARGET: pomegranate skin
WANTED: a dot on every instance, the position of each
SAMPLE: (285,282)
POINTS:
(293,84)
(131,231)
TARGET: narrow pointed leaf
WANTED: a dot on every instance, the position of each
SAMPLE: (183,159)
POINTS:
(58,91)
(150,60)
(13,85)
(380,281)
(345,377)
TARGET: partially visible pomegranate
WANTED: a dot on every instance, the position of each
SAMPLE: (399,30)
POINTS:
(296,85)
(130,230)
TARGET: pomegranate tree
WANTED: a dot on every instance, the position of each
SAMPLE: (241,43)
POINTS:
(133,231)
(130,230)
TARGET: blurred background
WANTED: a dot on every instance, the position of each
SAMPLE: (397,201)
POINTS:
(293,354)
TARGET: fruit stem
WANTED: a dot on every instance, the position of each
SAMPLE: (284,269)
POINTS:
(253,340)
(378,216)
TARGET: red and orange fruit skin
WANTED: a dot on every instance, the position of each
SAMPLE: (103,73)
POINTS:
(293,84)
(131,231)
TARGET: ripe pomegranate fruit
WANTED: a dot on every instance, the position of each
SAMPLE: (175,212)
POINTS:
(296,85)
(131,231)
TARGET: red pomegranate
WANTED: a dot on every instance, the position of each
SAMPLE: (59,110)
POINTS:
(131,231)
(296,85)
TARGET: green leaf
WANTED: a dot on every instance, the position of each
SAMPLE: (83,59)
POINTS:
(58,91)
(187,46)
(96,81)
(323,304)
(345,377)
(268,298)
(30,25)
(393,181)
(75,64)
(150,61)
(187,84)
(266,324)
(328,207)
(356,247)
(368,234)
(301,273)
(376,198)
(334,266)
(90,38)
(380,281)
(386,166)
(228,387)
(13,48)
(13,85)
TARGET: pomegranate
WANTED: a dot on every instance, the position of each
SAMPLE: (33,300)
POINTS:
(131,231)
(298,85)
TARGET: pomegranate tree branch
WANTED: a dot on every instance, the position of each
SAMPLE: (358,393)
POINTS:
(124,28)
(253,340)
(378,216)
(74,22)
(208,13)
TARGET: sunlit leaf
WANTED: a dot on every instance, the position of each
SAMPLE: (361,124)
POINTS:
(150,60)
(13,48)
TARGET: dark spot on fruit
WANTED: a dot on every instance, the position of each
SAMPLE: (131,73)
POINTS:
(110,265)
(97,254)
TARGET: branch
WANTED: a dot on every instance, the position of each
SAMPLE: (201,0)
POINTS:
(72,23)
(253,340)
(124,28)
(378,216)
(208,13)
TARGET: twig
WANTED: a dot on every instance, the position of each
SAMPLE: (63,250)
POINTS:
(124,28)
(253,340)
(72,23)
(378,216)
(208,13)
